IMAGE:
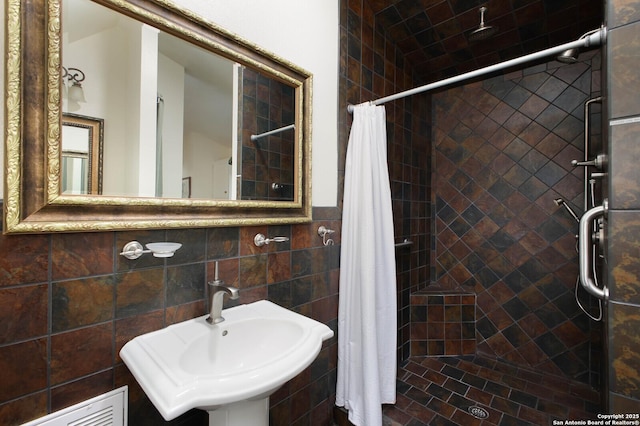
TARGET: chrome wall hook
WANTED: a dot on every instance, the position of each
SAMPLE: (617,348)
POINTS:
(323,231)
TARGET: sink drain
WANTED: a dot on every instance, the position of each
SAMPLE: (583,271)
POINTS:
(478,412)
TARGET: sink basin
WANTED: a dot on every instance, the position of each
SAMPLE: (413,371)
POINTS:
(194,364)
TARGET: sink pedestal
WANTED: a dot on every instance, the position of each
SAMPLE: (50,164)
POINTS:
(243,413)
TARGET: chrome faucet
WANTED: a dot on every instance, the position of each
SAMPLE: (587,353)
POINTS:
(217,290)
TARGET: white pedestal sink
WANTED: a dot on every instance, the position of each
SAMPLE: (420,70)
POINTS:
(228,369)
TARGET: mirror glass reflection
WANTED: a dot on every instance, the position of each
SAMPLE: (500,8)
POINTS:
(81,163)
(173,113)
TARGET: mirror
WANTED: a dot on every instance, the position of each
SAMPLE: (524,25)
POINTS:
(198,127)
(81,145)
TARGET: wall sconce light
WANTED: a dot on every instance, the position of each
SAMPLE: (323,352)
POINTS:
(133,249)
(75,76)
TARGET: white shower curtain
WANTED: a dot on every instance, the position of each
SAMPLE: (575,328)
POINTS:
(367,308)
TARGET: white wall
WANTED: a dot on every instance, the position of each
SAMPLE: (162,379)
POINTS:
(306,33)
(303,31)
(171,77)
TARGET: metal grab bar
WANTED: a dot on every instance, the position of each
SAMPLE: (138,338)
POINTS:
(585,242)
(406,243)
(272,132)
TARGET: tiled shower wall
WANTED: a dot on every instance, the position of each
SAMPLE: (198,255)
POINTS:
(69,302)
(267,104)
(623,104)
(372,67)
(502,153)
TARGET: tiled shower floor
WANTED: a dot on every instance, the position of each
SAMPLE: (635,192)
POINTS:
(438,391)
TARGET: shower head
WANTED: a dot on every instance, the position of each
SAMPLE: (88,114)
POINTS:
(560,202)
(569,56)
(483,31)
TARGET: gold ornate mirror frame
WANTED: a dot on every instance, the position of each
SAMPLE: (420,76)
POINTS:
(33,203)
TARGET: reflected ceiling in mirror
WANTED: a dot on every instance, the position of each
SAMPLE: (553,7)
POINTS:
(181,99)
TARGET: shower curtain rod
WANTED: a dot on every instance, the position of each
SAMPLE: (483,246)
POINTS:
(271,132)
(592,38)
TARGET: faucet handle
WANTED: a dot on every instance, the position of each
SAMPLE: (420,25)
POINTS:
(235,293)
(218,285)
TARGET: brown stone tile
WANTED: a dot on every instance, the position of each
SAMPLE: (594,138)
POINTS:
(304,236)
(247,235)
(624,175)
(419,331)
(501,113)
(500,344)
(80,390)
(532,107)
(621,403)
(24,409)
(131,327)
(501,164)
(550,259)
(435,330)
(441,407)
(479,396)
(486,128)
(569,334)
(566,246)
(500,293)
(485,154)
(532,242)
(139,291)
(185,283)
(82,302)
(516,202)
(625,350)
(187,311)
(435,347)
(435,313)
(533,416)
(228,271)
(463,418)
(452,331)
(253,271)
(621,12)
(223,242)
(517,122)
(81,254)
(624,228)
(24,259)
(23,313)
(517,255)
(551,145)
(18,380)
(622,46)
(81,352)
(532,297)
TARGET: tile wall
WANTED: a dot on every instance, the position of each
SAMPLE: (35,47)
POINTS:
(266,105)
(623,85)
(69,302)
(443,324)
(502,154)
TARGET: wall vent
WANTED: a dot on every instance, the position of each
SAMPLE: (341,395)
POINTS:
(108,409)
